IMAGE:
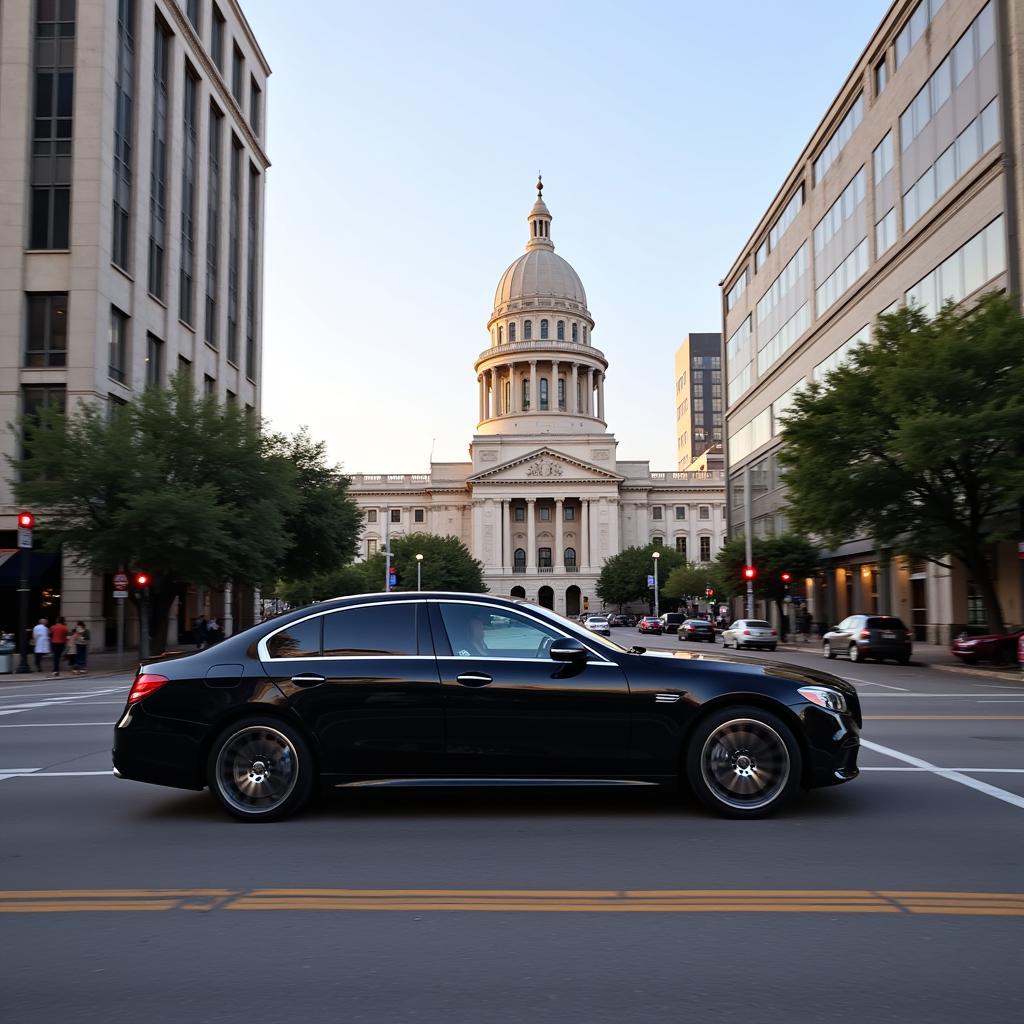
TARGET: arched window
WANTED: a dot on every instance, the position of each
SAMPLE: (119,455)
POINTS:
(543,330)
(543,393)
(561,330)
(575,332)
(527,330)
(512,331)
(570,558)
(561,392)
(657,541)
(526,394)
(501,334)
(519,560)
(544,558)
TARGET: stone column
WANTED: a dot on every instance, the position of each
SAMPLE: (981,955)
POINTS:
(493,404)
(228,625)
(534,405)
(554,385)
(531,535)
(585,534)
(589,397)
(559,558)
(506,534)
(483,397)
(574,403)
(512,400)
(600,397)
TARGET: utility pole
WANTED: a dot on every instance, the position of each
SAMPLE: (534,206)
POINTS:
(387,549)
(25,523)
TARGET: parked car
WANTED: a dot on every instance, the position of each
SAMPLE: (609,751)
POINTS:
(649,624)
(630,621)
(697,629)
(425,689)
(861,637)
(998,647)
(616,620)
(671,621)
(754,633)
(598,624)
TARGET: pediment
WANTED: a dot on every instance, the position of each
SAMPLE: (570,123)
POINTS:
(545,465)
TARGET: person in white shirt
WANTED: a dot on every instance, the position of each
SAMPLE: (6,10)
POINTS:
(41,641)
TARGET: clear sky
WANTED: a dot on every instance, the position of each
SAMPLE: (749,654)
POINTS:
(406,138)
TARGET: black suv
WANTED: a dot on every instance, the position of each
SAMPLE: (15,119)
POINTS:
(671,621)
(869,636)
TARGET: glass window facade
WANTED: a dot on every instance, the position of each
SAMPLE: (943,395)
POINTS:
(783,284)
(46,341)
(884,157)
(124,94)
(885,233)
(840,211)
(234,246)
(784,338)
(736,291)
(919,20)
(210,332)
(843,278)
(117,346)
(786,218)
(839,139)
(190,118)
(158,163)
(842,354)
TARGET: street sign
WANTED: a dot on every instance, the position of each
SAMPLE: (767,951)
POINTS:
(120,581)
(120,593)
(392,578)
(650,581)
(24,537)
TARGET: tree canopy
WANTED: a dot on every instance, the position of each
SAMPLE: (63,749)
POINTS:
(624,576)
(186,489)
(689,582)
(918,440)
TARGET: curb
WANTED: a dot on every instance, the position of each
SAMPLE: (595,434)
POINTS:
(1010,676)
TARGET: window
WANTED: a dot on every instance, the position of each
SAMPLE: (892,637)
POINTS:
(124,94)
(477,631)
(561,392)
(512,331)
(543,330)
(192,10)
(418,515)
(371,515)
(526,395)
(217,39)
(791,275)
(680,512)
(883,157)
(46,343)
(736,291)
(378,631)
(543,391)
(704,512)
(584,334)
(234,246)
(839,139)
(158,168)
(705,548)
(154,361)
(560,330)
(35,400)
(115,406)
(299,640)
(786,218)
(190,118)
(681,546)
(919,20)
(761,255)
(545,513)
(842,278)
(255,106)
(840,211)
(117,345)
(657,512)
(880,77)
(237,73)
(250,274)
(575,332)
(657,541)
(506,396)
(209,386)
(569,513)
(519,559)
(784,338)
(185,369)
(501,335)
(739,358)
(569,558)
(52,132)
(519,514)
(543,558)
(885,232)
(371,547)
(527,330)
(842,354)
(396,515)
(210,332)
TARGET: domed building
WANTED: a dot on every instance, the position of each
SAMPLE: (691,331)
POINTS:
(544,501)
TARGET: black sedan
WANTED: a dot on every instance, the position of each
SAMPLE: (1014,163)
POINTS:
(697,629)
(416,689)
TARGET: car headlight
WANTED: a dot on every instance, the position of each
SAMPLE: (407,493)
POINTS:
(824,697)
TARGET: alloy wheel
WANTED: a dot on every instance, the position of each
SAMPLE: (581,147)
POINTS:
(745,764)
(854,652)
(256,770)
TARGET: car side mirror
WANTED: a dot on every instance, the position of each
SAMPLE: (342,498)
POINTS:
(568,650)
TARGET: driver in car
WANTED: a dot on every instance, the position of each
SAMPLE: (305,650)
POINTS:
(473,639)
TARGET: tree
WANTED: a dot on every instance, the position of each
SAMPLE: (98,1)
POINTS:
(447,564)
(689,582)
(772,556)
(342,582)
(624,576)
(186,489)
(918,441)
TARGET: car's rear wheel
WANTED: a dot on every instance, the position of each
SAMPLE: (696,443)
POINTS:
(743,762)
(904,659)
(260,769)
(826,649)
(855,654)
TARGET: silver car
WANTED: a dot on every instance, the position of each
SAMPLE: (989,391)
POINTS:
(598,624)
(750,633)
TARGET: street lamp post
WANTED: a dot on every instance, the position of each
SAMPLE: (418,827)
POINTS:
(656,555)
(419,566)
(26,521)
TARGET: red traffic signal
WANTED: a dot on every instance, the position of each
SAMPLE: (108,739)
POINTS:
(26,520)
(786,577)
(749,572)
(142,579)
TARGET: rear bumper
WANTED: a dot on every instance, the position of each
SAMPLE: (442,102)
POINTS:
(146,751)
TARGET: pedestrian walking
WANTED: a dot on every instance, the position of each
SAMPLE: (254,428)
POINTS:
(58,641)
(199,631)
(805,626)
(80,639)
(214,634)
(41,641)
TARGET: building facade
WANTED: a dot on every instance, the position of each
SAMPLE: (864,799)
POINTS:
(544,500)
(909,191)
(132,165)
(700,400)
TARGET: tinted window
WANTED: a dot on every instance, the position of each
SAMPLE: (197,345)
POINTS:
(885,622)
(375,631)
(759,623)
(300,640)
(476,631)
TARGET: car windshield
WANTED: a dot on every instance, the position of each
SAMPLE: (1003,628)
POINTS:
(573,627)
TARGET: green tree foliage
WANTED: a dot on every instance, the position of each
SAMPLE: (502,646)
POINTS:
(687,583)
(624,576)
(186,489)
(342,582)
(447,564)
(918,442)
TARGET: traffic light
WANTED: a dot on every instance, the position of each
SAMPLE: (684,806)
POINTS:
(141,580)
(749,572)
(786,577)
(26,520)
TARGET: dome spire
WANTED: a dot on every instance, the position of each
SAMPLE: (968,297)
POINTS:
(540,222)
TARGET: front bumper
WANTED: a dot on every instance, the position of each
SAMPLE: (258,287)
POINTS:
(833,743)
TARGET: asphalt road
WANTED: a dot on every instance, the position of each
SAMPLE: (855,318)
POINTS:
(897,897)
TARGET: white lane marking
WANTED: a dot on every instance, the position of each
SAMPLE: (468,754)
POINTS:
(871,682)
(16,771)
(51,725)
(55,775)
(52,702)
(973,771)
(1001,701)
(947,773)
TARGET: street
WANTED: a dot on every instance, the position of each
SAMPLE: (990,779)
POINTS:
(897,897)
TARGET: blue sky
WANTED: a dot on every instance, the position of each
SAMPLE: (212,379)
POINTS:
(406,138)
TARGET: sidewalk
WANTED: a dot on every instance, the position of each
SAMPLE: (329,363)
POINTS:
(100,666)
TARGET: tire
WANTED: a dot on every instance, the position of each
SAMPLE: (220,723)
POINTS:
(743,762)
(904,659)
(261,769)
(855,654)
(772,648)
(826,649)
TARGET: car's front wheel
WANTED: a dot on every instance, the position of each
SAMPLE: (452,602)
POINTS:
(855,654)
(261,769)
(826,649)
(743,762)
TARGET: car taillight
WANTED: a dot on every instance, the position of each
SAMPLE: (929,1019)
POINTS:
(774,633)
(910,636)
(145,684)
(865,634)
(746,632)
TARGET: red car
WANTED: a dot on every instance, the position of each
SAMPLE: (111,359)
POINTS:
(649,624)
(998,647)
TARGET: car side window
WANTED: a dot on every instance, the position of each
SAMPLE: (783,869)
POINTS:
(478,632)
(375,631)
(299,640)
(847,623)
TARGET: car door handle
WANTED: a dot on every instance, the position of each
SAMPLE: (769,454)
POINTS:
(474,679)
(308,679)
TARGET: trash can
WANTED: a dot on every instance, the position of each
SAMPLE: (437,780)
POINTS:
(7,651)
